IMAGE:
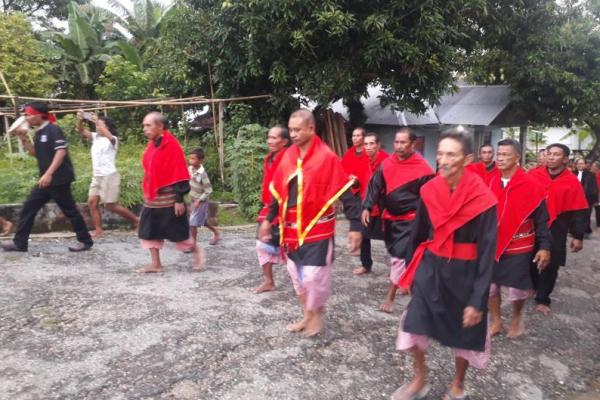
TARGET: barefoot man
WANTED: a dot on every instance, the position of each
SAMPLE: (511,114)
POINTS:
(451,255)
(522,232)
(361,161)
(310,178)
(396,185)
(278,139)
(567,207)
(166,181)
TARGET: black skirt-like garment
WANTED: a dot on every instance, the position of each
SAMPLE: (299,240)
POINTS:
(162,223)
(440,293)
(374,230)
(397,234)
(514,271)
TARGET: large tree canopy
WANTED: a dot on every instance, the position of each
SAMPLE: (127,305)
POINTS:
(39,10)
(333,49)
(549,54)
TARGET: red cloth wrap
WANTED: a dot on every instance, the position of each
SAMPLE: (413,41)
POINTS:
(321,181)
(163,166)
(32,111)
(516,202)
(397,172)
(362,167)
(480,169)
(270,164)
(524,242)
(448,211)
(565,192)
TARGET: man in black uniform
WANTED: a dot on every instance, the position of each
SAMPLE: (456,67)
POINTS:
(56,174)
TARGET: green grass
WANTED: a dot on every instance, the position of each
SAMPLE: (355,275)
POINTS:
(232,217)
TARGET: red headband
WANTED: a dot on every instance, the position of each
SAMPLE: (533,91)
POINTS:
(32,111)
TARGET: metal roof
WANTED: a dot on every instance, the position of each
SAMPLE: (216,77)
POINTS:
(470,105)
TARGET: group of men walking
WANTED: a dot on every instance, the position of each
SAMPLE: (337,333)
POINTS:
(455,236)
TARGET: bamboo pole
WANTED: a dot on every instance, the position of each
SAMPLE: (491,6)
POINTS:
(6,126)
(212,107)
(221,142)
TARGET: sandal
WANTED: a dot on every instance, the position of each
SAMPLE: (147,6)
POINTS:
(402,394)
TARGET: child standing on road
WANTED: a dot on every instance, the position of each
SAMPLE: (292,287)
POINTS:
(199,194)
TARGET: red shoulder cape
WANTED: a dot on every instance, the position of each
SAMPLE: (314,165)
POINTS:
(565,192)
(516,202)
(397,172)
(448,211)
(361,167)
(163,166)
(269,169)
(321,181)
(480,169)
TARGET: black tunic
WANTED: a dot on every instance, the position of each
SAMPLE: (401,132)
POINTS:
(442,288)
(400,201)
(574,222)
(513,270)
(315,253)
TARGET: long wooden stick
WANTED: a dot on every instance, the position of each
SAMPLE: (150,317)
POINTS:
(142,103)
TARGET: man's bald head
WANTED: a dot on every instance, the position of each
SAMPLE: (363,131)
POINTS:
(302,127)
(306,116)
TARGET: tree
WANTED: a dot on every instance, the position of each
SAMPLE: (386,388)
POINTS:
(333,49)
(22,60)
(40,11)
(549,54)
(83,51)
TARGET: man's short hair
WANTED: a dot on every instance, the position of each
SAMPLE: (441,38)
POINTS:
(373,134)
(306,115)
(39,106)
(461,137)
(566,151)
(198,152)
(406,129)
(361,129)
(158,118)
(540,151)
(512,143)
(284,134)
(486,145)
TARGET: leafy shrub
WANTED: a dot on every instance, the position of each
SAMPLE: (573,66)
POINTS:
(245,155)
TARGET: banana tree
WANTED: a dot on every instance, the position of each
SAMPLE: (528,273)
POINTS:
(85,48)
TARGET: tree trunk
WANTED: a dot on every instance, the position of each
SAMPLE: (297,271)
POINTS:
(523,130)
(595,153)
(356,111)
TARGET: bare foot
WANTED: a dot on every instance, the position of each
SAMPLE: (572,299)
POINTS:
(542,308)
(215,239)
(7,227)
(198,259)
(403,291)
(149,270)
(416,389)
(314,325)
(298,326)
(360,271)
(387,307)
(97,233)
(454,393)
(496,328)
(266,286)
(516,329)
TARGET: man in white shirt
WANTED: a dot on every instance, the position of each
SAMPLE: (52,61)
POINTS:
(104,187)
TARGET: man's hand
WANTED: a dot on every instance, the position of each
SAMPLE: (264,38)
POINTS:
(179,209)
(471,316)
(354,239)
(576,245)
(542,259)
(45,181)
(365,217)
(264,231)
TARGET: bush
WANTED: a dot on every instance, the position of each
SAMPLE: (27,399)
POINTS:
(245,155)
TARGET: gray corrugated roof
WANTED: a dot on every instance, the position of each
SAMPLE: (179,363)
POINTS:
(470,105)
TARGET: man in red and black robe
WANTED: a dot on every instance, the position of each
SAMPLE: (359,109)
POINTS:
(567,207)
(310,178)
(165,183)
(278,139)
(361,162)
(485,167)
(451,258)
(395,185)
(590,188)
(522,232)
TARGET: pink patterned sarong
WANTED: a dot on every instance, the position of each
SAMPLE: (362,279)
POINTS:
(185,245)
(313,281)
(514,294)
(398,265)
(406,341)
(267,257)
